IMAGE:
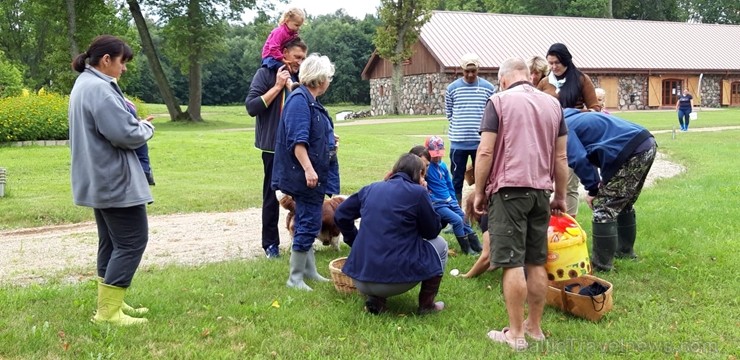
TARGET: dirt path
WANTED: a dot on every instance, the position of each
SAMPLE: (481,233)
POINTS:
(36,254)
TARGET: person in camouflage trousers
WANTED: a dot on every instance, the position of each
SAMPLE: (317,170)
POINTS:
(612,157)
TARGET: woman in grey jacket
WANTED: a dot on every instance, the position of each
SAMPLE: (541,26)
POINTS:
(106,174)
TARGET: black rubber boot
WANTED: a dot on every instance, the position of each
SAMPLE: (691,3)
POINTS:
(465,245)
(474,242)
(627,232)
(604,245)
(427,294)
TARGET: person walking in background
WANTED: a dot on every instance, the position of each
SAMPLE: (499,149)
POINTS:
(684,107)
(306,166)
(397,245)
(574,90)
(522,150)
(267,94)
(612,157)
(464,102)
(106,174)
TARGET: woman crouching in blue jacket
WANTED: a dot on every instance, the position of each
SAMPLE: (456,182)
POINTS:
(390,253)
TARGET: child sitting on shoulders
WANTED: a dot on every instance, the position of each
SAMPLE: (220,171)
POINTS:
(272,51)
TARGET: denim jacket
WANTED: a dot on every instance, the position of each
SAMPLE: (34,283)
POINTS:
(305,121)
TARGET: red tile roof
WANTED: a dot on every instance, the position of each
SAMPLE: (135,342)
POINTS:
(603,45)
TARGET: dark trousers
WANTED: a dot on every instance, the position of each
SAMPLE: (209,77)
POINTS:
(270,205)
(458,164)
(122,237)
(143,154)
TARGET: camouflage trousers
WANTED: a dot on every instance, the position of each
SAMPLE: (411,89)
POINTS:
(622,190)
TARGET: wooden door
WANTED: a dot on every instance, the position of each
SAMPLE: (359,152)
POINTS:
(672,89)
(735,93)
(610,84)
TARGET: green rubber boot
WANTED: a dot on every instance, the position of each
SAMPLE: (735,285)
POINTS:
(128,309)
(109,311)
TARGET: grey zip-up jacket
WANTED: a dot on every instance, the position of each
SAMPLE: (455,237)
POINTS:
(102,137)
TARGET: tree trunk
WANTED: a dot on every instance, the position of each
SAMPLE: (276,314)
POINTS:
(610,9)
(173,106)
(195,89)
(72,28)
(396,88)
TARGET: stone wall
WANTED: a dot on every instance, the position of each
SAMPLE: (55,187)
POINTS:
(424,94)
(711,91)
(633,92)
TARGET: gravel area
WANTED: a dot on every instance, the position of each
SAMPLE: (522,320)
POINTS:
(187,239)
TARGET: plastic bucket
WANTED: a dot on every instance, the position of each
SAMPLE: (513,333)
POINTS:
(567,254)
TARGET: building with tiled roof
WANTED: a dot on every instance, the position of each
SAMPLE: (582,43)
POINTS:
(640,64)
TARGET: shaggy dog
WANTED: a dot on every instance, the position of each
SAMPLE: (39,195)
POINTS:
(329,234)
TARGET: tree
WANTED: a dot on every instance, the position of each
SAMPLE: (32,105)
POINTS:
(713,11)
(660,10)
(348,42)
(11,81)
(36,36)
(194,31)
(173,105)
(401,21)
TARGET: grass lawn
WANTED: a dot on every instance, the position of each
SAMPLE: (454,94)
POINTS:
(680,300)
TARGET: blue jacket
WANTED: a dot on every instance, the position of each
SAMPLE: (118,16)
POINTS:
(439,183)
(397,216)
(598,140)
(305,121)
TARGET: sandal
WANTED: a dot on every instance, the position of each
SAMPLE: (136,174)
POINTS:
(532,335)
(500,336)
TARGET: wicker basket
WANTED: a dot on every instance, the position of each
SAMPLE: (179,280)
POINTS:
(342,282)
(587,307)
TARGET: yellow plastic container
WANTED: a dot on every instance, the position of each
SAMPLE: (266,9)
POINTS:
(567,254)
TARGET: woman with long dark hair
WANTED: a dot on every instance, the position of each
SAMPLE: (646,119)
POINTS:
(569,85)
(573,89)
(106,174)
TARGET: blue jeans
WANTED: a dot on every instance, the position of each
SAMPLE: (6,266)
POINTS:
(452,214)
(683,118)
(458,164)
(271,63)
(307,224)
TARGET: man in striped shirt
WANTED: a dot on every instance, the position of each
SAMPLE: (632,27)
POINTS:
(465,100)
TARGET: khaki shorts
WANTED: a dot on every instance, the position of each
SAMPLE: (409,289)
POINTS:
(518,221)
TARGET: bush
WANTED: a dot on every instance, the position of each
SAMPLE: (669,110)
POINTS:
(11,80)
(34,117)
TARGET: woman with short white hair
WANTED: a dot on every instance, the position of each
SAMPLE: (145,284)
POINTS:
(306,166)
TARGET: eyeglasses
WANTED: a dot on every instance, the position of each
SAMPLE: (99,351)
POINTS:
(331,78)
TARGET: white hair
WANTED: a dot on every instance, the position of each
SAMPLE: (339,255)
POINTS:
(513,66)
(316,70)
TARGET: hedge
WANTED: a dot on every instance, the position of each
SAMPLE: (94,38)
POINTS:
(41,116)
